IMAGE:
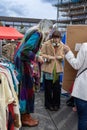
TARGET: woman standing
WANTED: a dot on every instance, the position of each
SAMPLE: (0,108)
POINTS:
(26,54)
(79,91)
(52,53)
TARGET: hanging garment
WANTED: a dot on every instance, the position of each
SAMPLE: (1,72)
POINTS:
(5,99)
(6,72)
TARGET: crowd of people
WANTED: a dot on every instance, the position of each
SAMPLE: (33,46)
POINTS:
(40,55)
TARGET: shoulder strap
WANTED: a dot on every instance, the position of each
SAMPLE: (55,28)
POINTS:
(81,72)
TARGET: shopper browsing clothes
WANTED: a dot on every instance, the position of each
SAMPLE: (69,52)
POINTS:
(52,53)
(24,58)
(79,91)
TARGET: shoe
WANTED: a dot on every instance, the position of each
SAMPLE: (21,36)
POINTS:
(29,116)
(27,120)
(56,108)
(51,108)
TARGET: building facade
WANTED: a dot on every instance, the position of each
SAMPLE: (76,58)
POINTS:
(21,24)
(71,12)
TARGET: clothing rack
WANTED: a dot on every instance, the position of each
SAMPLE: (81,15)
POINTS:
(0,48)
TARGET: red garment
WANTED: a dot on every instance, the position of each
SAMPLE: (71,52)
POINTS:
(18,45)
(71,88)
(10,125)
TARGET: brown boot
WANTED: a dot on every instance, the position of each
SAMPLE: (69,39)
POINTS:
(26,121)
(30,117)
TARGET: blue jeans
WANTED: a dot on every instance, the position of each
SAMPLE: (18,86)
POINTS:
(82,113)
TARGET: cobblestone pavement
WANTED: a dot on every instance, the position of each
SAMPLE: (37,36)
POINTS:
(63,119)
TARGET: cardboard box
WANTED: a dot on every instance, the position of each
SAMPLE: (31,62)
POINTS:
(76,35)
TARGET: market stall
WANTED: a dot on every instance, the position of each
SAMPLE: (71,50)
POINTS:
(10,33)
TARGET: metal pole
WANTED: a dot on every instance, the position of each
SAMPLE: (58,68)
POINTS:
(0,48)
(57,12)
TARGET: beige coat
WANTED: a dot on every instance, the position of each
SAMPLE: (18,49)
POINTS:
(48,50)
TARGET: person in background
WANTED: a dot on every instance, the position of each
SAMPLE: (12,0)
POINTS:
(52,53)
(79,91)
(70,102)
(63,39)
(24,58)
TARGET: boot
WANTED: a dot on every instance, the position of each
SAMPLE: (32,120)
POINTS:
(29,116)
(28,121)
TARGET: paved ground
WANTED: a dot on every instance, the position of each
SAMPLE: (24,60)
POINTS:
(63,119)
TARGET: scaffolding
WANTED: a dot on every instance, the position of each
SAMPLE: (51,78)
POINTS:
(71,12)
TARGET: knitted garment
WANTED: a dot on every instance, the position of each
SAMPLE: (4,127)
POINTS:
(23,60)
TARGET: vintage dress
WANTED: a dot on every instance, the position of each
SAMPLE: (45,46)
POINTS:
(23,60)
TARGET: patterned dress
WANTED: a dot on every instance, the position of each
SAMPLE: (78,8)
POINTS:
(24,57)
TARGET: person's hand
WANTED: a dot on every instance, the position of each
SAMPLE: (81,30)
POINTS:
(66,49)
(40,59)
(51,57)
(60,58)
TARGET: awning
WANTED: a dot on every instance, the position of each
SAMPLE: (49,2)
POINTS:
(10,33)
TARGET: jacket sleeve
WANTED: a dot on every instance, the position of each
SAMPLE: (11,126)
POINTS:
(77,62)
(62,52)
